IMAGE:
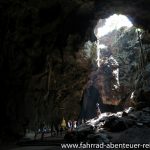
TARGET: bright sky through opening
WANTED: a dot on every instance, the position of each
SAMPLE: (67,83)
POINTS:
(114,22)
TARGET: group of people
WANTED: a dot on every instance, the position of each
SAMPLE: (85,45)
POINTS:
(58,129)
(71,125)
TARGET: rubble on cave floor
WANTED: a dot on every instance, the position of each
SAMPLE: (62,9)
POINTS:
(128,126)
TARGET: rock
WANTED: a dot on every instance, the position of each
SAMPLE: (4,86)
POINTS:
(148,54)
(145,38)
(84,128)
(146,74)
(71,137)
(132,116)
(120,114)
(129,110)
(135,134)
(110,125)
(124,114)
(115,124)
(139,124)
(145,120)
(136,114)
(140,104)
(147,67)
(146,94)
(146,109)
(129,122)
(99,138)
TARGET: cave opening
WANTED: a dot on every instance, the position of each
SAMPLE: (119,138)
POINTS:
(115,57)
(107,26)
(107,31)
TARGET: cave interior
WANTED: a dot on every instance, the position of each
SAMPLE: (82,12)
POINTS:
(57,63)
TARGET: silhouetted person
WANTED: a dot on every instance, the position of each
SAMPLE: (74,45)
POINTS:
(70,125)
(82,121)
(42,130)
(61,131)
(74,124)
(52,129)
(25,125)
(98,112)
(57,129)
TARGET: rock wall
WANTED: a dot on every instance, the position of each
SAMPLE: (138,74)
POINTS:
(131,50)
(42,70)
(130,47)
(126,53)
(54,94)
(142,81)
(126,50)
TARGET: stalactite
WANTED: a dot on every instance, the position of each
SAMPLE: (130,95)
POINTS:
(49,77)
(141,52)
(62,59)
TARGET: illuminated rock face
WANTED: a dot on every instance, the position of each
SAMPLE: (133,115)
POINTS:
(100,89)
(142,82)
(132,56)
(116,78)
(107,81)
(123,62)
(91,96)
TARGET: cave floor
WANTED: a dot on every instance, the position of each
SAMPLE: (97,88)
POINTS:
(49,143)
(33,148)
(131,135)
(134,134)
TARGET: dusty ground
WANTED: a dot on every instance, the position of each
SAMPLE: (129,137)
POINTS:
(135,134)
(132,135)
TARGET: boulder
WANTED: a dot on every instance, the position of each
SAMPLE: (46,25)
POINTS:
(99,138)
(146,109)
(115,124)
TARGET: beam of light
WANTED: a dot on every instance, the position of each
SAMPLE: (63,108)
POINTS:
(99,47)
(98,58)
(116,73)
(114,22)
(132,95)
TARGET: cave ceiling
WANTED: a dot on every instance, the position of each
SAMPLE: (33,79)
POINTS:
(76,17)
